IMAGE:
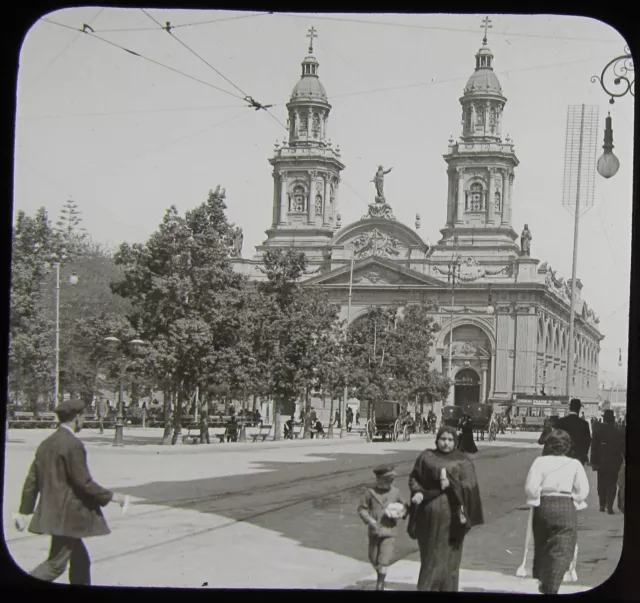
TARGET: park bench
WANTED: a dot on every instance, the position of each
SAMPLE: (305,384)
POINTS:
(221,433)
(319,434)
(193,435)
(262,434)
(295,433)
(90,421)
(47,419)
(22,419)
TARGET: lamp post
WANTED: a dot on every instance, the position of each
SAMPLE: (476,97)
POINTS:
(343,408)
(73,280)
(134,346)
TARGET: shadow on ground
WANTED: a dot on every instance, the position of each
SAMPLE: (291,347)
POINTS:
(316,503)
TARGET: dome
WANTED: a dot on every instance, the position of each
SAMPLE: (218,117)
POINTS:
(309,87)
(483,80)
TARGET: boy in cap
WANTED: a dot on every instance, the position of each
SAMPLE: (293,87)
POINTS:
(380,508)
(69,501)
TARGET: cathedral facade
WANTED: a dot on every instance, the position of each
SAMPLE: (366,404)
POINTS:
(503,315)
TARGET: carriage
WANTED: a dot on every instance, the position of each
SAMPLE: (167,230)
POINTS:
(482,419)
(384,420)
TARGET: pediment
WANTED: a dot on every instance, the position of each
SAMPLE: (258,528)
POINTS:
(376,271)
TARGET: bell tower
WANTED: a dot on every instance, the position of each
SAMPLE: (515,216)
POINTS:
(306,169)
(480,170)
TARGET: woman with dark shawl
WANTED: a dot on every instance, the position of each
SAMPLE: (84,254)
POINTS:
(434,517)
(466,443)
(556,487)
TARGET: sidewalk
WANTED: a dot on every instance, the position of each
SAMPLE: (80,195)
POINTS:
(493,552)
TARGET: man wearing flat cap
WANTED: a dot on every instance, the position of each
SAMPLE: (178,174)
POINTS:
(579,431)
(69,501)
(607,452)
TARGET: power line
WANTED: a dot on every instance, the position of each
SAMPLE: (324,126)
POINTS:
(137,54)
(71,43)
(131,112)
(247,98)
(456,29)
(125,29)
(461,78)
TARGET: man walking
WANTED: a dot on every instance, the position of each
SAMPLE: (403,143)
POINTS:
(579,431)
(606,457)
(103,411)
(69,501)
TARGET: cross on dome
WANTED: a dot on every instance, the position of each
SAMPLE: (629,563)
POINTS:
(486,24)
(311,35)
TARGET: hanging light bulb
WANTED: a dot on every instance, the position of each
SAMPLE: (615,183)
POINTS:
(608,165)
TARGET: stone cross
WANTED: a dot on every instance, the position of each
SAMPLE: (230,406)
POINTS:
(486,23)
(311,35)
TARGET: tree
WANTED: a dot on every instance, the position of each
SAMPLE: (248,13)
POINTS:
(71,237)
(387,355)
(30,325)
(184,294)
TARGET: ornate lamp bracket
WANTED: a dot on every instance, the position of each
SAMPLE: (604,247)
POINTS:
(622,71)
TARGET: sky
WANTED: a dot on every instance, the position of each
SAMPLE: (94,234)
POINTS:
(126,138)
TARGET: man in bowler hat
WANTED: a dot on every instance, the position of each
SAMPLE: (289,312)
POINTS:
(69,501)
(607,452)
(579,431)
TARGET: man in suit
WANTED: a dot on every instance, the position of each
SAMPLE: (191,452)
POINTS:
(607,452)
(69,501)
(579,431)
(103,411)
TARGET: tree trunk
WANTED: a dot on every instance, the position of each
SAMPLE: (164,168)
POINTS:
(255,403)
(166,436)
(276,420)
(177,428)
(330,428)
(307,416)
(204,420)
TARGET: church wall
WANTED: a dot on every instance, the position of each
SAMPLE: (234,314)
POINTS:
(504,359)
(526,325)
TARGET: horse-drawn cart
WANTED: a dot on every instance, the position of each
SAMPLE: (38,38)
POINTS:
(481,418)
(384,420)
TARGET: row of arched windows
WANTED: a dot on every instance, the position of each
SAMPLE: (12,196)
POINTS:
(476,199)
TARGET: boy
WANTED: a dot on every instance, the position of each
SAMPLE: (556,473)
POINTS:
(373,510)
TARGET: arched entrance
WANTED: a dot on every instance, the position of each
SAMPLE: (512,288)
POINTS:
(467,387)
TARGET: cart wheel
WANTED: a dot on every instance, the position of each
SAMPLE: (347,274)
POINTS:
(406,434)
(368,431)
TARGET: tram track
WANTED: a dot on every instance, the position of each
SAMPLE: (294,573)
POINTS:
(322,484)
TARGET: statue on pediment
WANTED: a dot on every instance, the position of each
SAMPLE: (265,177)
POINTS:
(378,180)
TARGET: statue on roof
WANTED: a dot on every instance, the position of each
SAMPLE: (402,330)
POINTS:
(525,241)
(379,182)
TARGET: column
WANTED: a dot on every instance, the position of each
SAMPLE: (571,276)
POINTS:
(460,213)
(491,199)
(450,199)
(310,124)
(283,199)
(334,205)
(505,196)
(276,204)
(487,113)
(296,124)
(325,126)
(483,386)
(311,207)
(511,179)
(326,200)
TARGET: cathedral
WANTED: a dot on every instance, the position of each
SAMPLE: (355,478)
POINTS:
(503,315)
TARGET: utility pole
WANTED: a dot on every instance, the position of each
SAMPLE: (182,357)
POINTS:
(343,409)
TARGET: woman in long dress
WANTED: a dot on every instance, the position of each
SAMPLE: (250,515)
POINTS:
(466,442)
(556,487)
(438,528)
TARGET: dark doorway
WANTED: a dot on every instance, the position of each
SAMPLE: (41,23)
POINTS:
(467,388)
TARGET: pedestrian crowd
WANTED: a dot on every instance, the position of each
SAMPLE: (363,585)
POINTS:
(445,500)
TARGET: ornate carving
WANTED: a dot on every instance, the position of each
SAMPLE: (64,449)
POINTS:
(373,277)
(379,210)
(318,205)
(375,243)
(315,128)
(460,170)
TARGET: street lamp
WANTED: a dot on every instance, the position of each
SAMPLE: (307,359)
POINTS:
(134,347)
(73,280)
(608,164)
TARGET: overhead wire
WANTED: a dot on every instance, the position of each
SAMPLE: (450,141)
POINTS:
(440,28)
(137,54)
(195,24)
(66,47)
(168,27)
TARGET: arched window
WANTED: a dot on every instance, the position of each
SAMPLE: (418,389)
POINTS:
(315,128)
(475,197)
(467,119)
(304,123)
(298,200)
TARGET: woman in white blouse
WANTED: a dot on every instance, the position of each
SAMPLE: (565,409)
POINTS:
(556,487)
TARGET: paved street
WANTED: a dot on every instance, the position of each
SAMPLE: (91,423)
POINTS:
(282,515)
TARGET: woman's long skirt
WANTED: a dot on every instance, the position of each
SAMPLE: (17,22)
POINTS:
(555,534)
(439,557)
